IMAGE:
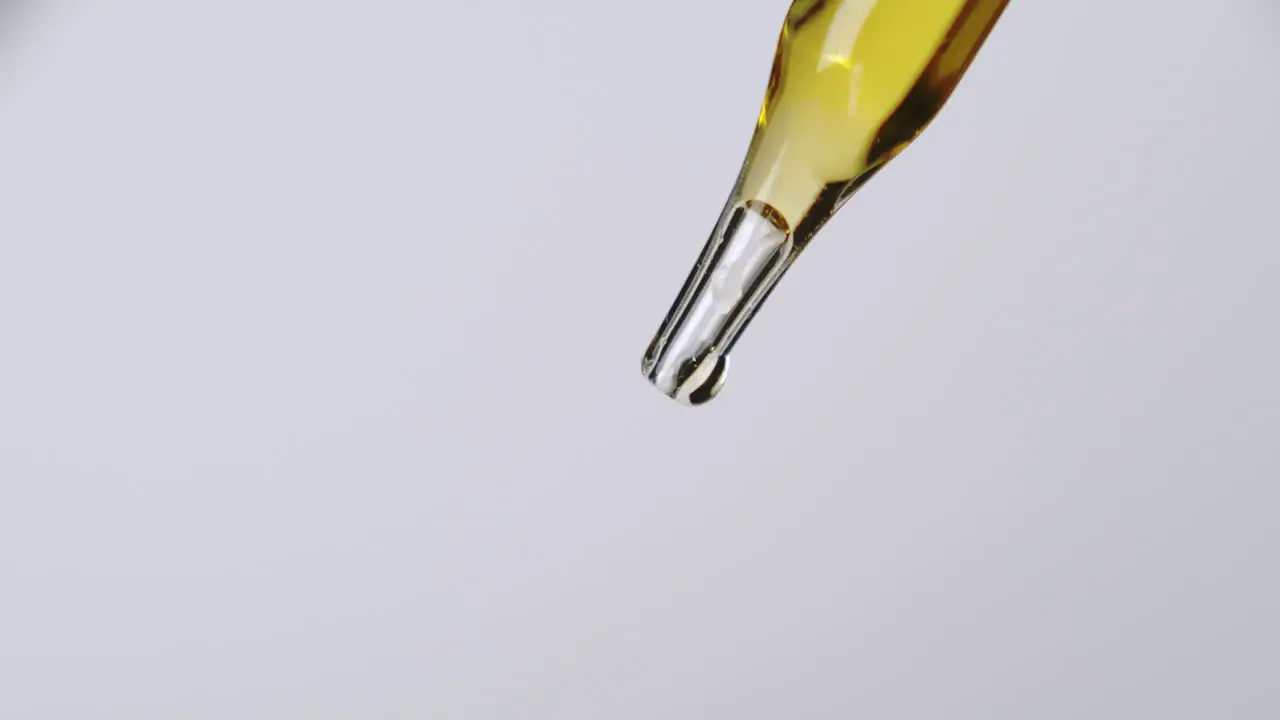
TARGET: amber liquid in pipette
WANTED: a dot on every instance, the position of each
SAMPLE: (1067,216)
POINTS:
(853,83)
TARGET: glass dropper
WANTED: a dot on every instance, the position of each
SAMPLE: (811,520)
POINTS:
(854,82)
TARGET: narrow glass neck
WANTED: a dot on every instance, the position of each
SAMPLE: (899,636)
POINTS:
(747,254)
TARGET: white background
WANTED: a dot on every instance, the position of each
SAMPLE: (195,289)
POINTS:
(320,332)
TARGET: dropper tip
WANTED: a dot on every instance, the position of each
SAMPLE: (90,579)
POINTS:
(746,255)
(697,381)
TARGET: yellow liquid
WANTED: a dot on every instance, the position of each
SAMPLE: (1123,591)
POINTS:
(854,82)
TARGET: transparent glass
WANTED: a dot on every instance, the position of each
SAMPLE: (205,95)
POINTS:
(854,82)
